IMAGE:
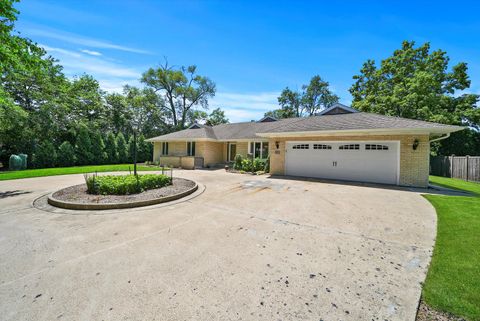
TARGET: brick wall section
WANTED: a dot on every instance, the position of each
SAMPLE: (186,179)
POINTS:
(414,164)
(212,152)
(242,149)
(174,149)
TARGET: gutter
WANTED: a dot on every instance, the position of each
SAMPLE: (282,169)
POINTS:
(439,138)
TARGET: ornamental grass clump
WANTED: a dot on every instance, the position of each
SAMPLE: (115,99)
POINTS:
(124,184)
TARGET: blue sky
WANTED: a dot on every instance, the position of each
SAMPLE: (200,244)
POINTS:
(251,49)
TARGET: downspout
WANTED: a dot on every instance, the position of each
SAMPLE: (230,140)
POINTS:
(439,138)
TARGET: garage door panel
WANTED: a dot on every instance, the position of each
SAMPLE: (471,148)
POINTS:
(356,161)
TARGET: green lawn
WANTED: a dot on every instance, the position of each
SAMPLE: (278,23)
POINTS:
(453,280)
(70,170)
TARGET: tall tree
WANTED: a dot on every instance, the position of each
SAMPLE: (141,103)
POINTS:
(416,82)
(183,90)
(216,117)
(317,96)
(314,97)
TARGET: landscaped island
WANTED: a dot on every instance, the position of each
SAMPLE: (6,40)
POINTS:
(122,191)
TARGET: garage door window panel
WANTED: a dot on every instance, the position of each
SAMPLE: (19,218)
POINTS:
(349,147)
(301,146)
(375,147)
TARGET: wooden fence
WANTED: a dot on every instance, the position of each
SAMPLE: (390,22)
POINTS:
(462,167)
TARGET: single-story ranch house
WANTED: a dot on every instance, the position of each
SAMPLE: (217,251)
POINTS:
(340,143)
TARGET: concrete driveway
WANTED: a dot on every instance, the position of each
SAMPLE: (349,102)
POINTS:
(246,248)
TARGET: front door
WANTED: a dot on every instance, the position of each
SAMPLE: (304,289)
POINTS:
(232,152)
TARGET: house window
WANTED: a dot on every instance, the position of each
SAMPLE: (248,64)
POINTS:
(321,146)
(164,148)
(375,147)
(349,147)
(191,148)
(258,149)
(301,146)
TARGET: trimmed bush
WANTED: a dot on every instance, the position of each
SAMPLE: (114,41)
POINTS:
(66,155)
(249,165)
(45,155)
(238,162)
(124,184)
(122,148)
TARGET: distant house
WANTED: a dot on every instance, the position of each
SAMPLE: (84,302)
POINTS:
(340,143)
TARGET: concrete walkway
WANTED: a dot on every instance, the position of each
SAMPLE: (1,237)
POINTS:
(247,248)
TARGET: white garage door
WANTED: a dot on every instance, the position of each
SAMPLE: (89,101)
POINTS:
(376,162)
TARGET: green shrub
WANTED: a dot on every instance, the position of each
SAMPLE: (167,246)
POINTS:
(258,165)
(122,148)
(238,162)
(247,165)
(66,155)
(266,168)
(45,155)
(124,184)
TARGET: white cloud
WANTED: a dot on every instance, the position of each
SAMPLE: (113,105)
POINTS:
(79,40)
(75,63)
(245,106)
(91,52)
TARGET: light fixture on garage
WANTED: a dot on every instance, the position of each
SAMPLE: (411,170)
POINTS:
(277,144)
(415,144)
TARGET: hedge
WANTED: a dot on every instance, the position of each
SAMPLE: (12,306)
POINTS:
(124,184)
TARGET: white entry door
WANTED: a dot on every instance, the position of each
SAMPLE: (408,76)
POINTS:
(369,161)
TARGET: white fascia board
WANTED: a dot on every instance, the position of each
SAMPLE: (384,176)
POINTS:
(153,140)
(379,131)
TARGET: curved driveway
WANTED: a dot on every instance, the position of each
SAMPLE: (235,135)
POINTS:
(247,248)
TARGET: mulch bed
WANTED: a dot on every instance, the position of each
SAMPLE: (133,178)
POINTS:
(426,313)
(78,193)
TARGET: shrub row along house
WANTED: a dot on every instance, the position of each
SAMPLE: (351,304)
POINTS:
(339,143)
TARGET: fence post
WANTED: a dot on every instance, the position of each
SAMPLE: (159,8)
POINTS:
(467,166)
(451,166)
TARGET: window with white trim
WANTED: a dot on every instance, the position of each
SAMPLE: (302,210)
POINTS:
(322,146)
(375,147)
(164,148)
(191,148)
(258,149)
(301,146)
(349,147)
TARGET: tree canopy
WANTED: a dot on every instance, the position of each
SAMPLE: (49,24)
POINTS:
(313,98)
(184,91)
(416,82)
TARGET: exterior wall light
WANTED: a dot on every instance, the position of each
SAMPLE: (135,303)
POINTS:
(277,144)
(415,144)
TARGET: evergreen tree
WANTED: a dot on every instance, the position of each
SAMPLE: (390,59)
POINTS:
(83,147)
(45,155)
(66,155)
(111,148)
(131,149)
(98,148)
(143,149)
(122,148)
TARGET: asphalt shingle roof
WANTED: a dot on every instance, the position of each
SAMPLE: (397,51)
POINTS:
(340,122)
